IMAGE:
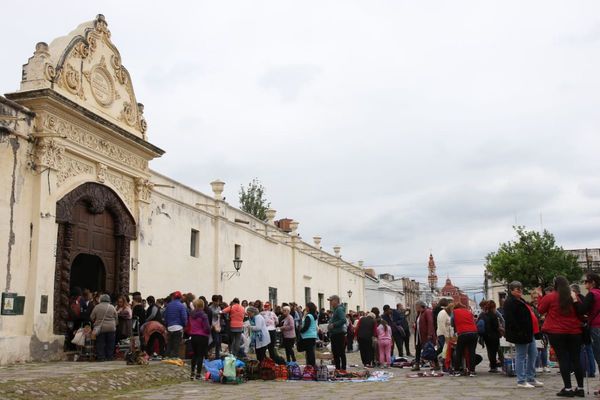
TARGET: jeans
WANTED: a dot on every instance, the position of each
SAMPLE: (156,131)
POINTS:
(466,341)
(235,342)
(441,341)
(105,346)
(338,348)
(588,365)
(542,358)
(216,343)
(200,349)
(595,333)
(568,351)
(525,362)
(174,343)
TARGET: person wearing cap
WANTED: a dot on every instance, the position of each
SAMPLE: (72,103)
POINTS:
(271,322)
(175,317)
(337,332)
(104,316)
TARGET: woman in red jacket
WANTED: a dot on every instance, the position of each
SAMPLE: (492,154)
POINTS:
(465,328)
(563,327)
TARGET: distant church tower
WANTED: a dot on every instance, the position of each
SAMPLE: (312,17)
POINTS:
(432,276)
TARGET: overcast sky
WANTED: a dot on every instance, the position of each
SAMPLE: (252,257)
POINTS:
(391,128)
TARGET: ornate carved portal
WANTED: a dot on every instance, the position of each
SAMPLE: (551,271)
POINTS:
(92,219)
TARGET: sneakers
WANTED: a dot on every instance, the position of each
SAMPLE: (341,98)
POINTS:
(579,392)
(539,370)
(536,383)
(525,385)
(547,369)
(472,374)
(493,370)
(566,393)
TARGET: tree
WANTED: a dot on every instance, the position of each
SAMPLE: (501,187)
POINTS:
(534,259)
(252,200)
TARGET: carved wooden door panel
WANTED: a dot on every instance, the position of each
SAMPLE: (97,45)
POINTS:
(95,234)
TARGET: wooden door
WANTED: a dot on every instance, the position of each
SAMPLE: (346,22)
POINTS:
(95,234)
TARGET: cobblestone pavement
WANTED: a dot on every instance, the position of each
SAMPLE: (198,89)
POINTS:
(484,386)
(116,380)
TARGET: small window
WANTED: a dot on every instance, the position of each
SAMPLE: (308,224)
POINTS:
(321,300)
(306,295)
(194,243)
(273,296)
(237,252)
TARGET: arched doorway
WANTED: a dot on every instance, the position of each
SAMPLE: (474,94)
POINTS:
(87,272)
(94,224)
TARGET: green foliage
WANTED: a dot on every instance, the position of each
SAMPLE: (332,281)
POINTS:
(534,259)
(252,200)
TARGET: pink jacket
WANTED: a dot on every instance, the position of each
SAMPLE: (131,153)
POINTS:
(384,333)
(288,327)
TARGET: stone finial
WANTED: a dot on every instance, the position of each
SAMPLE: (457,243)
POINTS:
(336,250)
(294,227)
(317,240)
(217,188)
(271,216)
(42,48)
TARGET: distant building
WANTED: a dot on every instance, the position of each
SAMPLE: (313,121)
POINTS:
(381,290)
(588,259)
(449,290)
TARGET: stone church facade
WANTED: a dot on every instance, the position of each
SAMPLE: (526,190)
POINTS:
(79,206)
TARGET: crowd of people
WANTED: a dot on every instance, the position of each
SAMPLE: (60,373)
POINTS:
(445,336)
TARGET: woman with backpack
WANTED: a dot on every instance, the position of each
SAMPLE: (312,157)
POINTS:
(308,333)
(260,333)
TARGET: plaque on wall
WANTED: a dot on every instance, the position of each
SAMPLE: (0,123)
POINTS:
(12,304)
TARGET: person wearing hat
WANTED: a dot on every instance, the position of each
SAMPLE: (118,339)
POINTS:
(104,316)
(175,317)
(337,332)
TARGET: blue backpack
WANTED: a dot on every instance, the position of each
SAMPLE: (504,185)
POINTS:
(481,326)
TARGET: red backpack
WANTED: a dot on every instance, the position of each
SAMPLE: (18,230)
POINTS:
(267,369)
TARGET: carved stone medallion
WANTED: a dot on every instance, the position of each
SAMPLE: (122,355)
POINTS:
(102,85)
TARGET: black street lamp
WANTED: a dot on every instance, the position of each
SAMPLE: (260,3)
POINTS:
(237,264)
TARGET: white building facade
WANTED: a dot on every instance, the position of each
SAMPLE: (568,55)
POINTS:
(79,206)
